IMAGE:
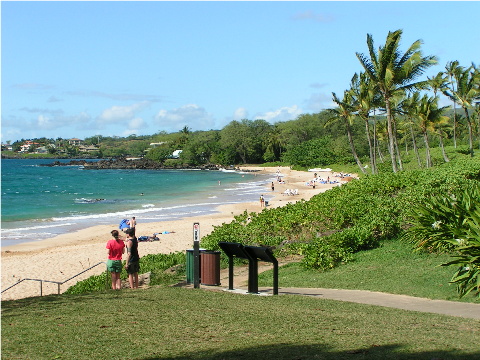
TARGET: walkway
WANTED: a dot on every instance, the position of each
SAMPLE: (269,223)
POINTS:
(405,302)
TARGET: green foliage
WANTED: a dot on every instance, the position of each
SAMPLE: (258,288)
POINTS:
(451,223)
(391,268)
(156,264)
(317,152)
(93,283)
(332,226)
(159,154)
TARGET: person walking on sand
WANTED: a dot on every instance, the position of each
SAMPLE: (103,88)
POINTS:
(262,200)
(116,248)
(132,265)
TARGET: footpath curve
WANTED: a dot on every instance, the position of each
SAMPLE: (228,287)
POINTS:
(405,302)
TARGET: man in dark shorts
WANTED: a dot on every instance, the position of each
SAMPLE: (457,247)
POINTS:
(132,265)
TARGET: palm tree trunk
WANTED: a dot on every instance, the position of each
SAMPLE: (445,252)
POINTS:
(427,149)
(454,125)
(379,151)
(375,140)
(445,157)
(399,158)
(415,148)
(370,147)
(354,152)
(391,141)
(470,131)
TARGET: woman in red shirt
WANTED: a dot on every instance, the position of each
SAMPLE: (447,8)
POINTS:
(116,248)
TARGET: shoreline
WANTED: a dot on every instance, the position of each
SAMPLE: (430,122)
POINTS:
(63,256)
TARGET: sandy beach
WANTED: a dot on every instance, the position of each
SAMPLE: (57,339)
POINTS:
(61,257)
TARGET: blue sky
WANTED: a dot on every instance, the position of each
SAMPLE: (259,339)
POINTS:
(115,68)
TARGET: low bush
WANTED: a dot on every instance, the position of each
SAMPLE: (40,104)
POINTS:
(156,264)
(356,216)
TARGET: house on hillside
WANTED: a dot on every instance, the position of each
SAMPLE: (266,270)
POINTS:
(26,146)
(75,142)
(41,150)
(7,147)
(89,148)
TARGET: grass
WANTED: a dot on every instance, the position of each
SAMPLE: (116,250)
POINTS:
(180,323)
(391,268)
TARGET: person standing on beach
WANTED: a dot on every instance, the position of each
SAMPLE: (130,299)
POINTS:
(273,186)
(262,200)
(133,224)
(132,265)
(116,248)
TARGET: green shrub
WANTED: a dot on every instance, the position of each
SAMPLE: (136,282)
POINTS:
(154,263)
(450,223)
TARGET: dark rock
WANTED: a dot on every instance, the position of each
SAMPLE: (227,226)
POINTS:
(123,163)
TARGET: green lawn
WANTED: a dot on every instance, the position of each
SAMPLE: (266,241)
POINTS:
(180,323)
(391,268)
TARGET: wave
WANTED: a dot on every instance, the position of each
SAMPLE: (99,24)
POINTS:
(35,227)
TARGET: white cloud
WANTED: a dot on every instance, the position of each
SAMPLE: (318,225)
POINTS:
(136,124)
(191,115)
(120,114)
(240,113)
(44,122)
(282,114)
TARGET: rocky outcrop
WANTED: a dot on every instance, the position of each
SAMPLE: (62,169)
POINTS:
(123,163)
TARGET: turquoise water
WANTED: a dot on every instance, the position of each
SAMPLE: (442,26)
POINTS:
(39,202)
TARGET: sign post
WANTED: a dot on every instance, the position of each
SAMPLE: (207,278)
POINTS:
(196,255)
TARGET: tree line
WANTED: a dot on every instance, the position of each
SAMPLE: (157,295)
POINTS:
(386,111)
(390,85)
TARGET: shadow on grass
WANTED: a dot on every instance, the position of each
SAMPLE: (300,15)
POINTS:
(54,300)
(306,352)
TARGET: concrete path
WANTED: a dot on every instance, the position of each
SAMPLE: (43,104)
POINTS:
(452,308)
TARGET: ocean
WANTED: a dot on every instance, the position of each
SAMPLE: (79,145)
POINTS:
(39,202)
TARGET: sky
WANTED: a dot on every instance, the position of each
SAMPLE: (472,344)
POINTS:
(117,68)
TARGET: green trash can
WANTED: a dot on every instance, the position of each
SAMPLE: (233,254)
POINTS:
(190,267)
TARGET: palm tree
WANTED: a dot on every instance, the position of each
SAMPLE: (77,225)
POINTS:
(366,98)
(395,105)
(409,106)
(466,94)
(440,127)
(451,69)
(428,114)
(394,73)
(345,111)
(380,136)
(438,82)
